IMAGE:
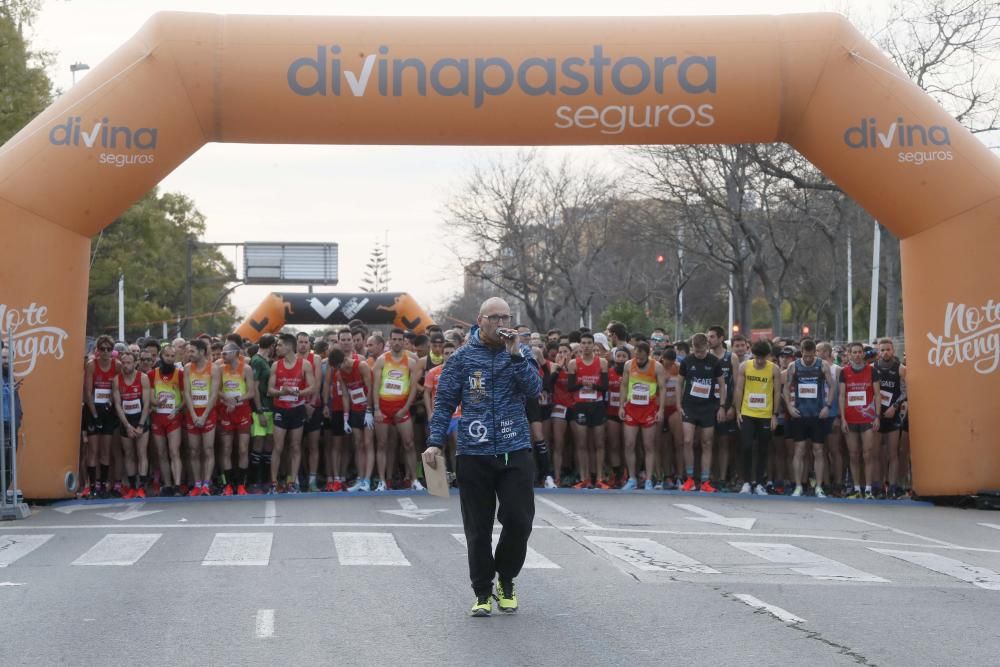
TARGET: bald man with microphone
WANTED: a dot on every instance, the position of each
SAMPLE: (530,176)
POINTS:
(490,376)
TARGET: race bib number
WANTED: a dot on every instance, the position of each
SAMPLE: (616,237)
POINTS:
(886,398)
(392,387)
(199,398)
(169,403)
(614,399)
(757,401)
(559,411)
(640,394)
(231,389)
(132,406)
(808,391)
(290,398)
(857,399)
(588,395)
(102,395)
(358,396)
(701,389)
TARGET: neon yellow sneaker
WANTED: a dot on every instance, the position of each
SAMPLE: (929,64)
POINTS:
(506,599)
(483,606)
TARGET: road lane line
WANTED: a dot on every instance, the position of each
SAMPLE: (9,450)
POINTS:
(806,562)
(270,512)
(532,561)
(977,576)
(889,528)
(121,549)
(239,549)
(265,623)
(777,612)
(565,511)
(648,556)
(13,547)
(368,549)
(990,525)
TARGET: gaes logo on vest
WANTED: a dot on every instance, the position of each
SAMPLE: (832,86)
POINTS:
(112,139)
(916,144)
(481,78)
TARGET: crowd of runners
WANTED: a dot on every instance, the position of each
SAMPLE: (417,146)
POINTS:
(349,411)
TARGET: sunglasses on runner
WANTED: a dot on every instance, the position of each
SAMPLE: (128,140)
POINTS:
(496,319)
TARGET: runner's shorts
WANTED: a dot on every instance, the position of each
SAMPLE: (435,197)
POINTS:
(315,422)
(702,417)
(641,415)
(727,427)
(859,428)
(355,419)
(389,409)
(105,423)
(889,424)
(533,409)
(195,430)
(590,413)
(237,420)
(808,428)
(164,423)
(133,420)
(290,419)
(258,431)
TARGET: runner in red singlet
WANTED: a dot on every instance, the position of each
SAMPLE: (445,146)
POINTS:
(131,394)
(291,384)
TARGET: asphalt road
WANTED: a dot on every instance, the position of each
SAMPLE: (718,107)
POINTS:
(611,578)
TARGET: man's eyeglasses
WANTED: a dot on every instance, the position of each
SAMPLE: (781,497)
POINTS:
(497,319)
(105,348)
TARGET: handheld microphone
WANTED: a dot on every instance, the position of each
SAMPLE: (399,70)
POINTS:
(507,334)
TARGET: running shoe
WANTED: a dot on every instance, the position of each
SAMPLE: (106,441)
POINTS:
(156,487)
(183,489)
(128,494)
(549,482)
(483,606)
(580,485)
(381,486)
(195,492)
(798,491)
(329,487)
(853,494)
(601,484)
(869,495)
(506,597)
(759,490)
(273,490)
(313,487)
(241,490)
(648,485)
(206,490)
(339,486)
(140,493)
(631,485)
(656,487)
(293,488)
(356,486)
(688,484)
(819,491)
(745,489)
(706,487)
(228,491)
(417,486)
(88,492)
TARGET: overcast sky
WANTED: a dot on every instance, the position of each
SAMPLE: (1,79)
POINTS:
(349,195)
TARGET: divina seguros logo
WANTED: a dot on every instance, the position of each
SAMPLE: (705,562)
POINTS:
(915,143)
(482,78)
(112,140)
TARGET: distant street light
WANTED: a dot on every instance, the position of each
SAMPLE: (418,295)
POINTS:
(78,67)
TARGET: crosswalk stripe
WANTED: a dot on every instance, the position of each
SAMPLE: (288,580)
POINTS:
(977,576)
(239,549)
(806,562)
(368,549)
(119,549)
(532,560)
(13,547)
(649,556)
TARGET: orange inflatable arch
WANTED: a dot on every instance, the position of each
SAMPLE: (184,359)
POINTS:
(810,80)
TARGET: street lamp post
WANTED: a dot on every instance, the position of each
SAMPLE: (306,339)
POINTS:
(78,67)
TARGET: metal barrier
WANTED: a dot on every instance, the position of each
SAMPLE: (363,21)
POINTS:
(12,505)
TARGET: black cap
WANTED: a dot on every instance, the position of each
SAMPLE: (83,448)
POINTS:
(788,351)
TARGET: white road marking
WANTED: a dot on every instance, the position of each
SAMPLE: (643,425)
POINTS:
(977,576)
(409,509)
(532,561)
(990,525)
(119,549)
(69,509)
(10,583)
(565,511)
(649,556)
(889,528)
(265,623)
(777,612)
(806,562)
(407,504)
(13,547)
(707,516)
(368,549)
(239,549)
(270,512)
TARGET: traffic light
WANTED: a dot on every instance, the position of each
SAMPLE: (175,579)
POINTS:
(736,327)
(805,330)
(660,259)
